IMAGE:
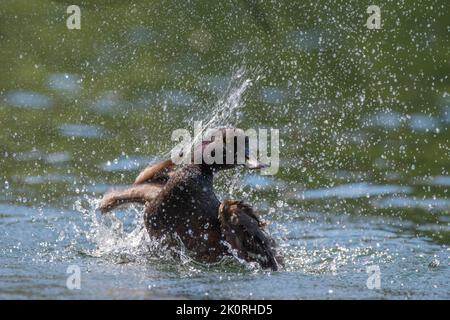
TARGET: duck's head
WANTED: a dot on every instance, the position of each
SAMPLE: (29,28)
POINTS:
(226,148)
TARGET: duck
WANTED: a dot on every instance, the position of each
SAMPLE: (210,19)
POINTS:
(181,208)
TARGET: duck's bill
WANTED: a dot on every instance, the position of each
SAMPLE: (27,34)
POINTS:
(253,163)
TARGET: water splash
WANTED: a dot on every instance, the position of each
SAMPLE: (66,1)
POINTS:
(124,241)
(113,240)
(232,100)
(227,110)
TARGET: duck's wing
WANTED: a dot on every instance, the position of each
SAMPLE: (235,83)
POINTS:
(139,194)
(147,186)
(157,172)
(244,231)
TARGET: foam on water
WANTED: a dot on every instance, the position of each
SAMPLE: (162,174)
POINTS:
(73,130)
(126,163)
(28,99)
(353,190)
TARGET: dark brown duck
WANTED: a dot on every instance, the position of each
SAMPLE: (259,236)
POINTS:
(181,206)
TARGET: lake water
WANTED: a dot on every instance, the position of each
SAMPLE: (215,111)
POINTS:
(363,116)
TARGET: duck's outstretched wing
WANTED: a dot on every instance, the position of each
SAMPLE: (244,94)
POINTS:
(146,187)
(244,231)
(139,194)
(157,172)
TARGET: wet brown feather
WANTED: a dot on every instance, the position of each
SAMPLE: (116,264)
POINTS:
(244,231)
